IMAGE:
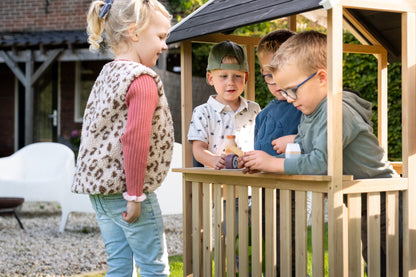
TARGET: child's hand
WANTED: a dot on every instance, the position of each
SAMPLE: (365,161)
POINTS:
(255,161)
(133,211)
(220,162)
(279,144)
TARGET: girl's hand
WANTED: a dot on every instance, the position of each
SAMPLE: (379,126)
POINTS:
(133,211)
(279,144)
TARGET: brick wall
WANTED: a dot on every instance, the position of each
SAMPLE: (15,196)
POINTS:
(37,15)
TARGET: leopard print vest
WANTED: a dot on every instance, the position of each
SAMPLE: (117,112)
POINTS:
(100,163)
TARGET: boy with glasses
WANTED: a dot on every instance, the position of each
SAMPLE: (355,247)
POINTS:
(300,69)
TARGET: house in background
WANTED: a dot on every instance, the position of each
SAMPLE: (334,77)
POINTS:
(47,71)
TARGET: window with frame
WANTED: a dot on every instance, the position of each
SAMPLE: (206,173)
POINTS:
(86,73)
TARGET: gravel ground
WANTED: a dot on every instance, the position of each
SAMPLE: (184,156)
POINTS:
(40,250)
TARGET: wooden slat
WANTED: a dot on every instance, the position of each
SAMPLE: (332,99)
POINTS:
(392,233)
(270,245)
(285,233)
(373,233)
(243,231)
(374,185)
(318,233)
(301,233)
(355,261)
(219,246)
(196,228)
(230,230)
(256,232)
(207,225)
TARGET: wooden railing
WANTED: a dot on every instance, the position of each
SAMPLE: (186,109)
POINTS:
(213,247)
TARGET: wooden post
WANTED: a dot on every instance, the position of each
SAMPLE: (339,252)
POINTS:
(186,107)
(334,106)
(408,140)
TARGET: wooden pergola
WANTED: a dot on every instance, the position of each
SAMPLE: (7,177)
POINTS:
(205,188)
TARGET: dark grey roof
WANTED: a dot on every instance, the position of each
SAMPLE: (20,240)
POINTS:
(223,16)
(219,16)
(51,39)
(385,27)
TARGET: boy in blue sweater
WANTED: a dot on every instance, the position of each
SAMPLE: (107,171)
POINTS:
(279,118)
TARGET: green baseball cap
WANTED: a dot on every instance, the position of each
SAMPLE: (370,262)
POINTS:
(227,48)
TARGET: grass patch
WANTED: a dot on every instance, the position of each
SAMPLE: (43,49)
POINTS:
(176,262)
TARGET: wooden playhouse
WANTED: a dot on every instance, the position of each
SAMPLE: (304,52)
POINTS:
(386,29)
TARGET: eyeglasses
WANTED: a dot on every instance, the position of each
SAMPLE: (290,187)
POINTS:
(268,78)
(291,92)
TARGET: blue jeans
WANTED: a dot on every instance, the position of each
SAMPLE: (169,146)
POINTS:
(144,239)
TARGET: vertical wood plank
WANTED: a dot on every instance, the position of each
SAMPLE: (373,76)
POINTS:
(392,232)
(196,229)
(207,228)
(382,101)
(243,231)
(251,83)
(301,233)
(187,160)
(270,245)
(292,23)
(256,231)
(230,230)
(285,232)
(334,105)
(219,246)
(373,233)
(355,265)
(408,139)
(318,235)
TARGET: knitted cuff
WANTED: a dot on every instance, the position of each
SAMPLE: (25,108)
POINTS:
(140,198)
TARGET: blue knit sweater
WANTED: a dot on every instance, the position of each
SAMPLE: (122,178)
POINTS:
(278,118)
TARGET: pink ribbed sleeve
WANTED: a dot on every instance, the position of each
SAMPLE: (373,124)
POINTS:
(142,98)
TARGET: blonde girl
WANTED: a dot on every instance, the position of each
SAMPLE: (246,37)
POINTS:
(127,135)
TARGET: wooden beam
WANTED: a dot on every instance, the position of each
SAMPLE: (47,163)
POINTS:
(215,38)
(336,233)
(381,5)
(187,159)
(409,139)
(52,56)
(29,98)
(12,64)
(362,30)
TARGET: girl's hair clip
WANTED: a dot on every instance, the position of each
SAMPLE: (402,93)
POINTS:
(106,8)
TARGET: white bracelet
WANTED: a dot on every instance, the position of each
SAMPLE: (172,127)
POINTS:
(140,198)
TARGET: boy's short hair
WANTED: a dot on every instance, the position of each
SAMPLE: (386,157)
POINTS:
(272,41)
(307,50)
(227,49)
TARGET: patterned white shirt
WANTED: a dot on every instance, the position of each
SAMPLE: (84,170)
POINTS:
(213,121)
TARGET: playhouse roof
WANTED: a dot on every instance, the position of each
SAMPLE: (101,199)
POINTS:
(223,16)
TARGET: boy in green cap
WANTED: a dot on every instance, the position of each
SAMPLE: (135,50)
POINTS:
(226,113)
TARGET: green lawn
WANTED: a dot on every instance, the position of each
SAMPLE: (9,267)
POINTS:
(176,262)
